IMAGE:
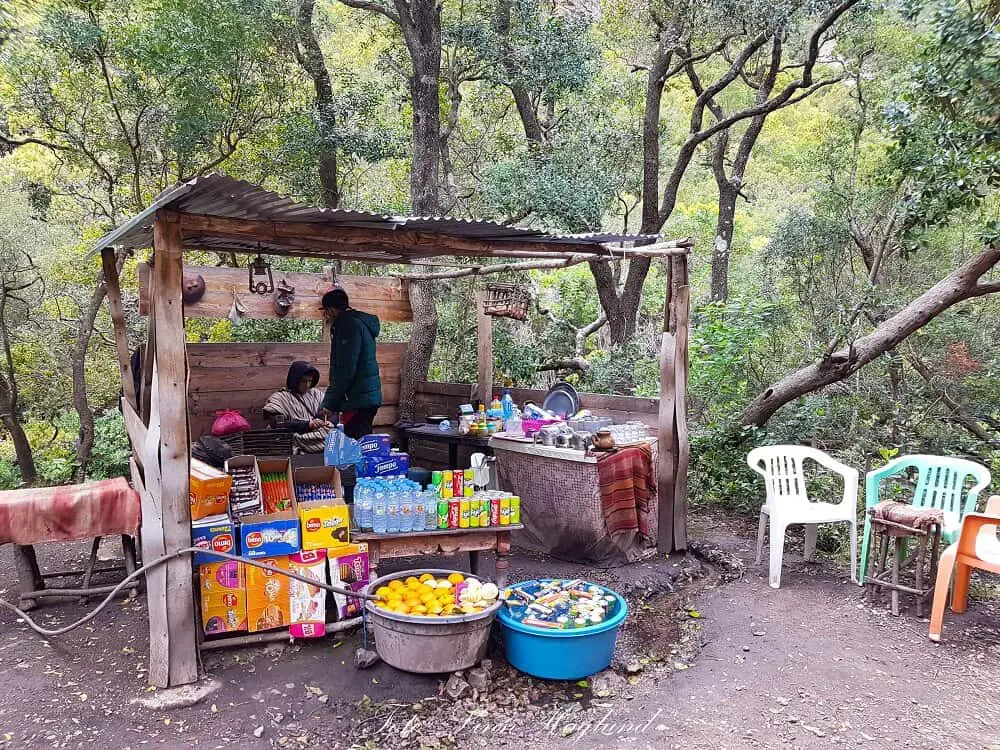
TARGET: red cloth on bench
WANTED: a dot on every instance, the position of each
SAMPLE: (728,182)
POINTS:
(62,514)
(627,485)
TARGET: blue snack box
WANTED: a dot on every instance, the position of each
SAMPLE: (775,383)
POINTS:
(377,446)
(372,466)
(270,534)
(214,532)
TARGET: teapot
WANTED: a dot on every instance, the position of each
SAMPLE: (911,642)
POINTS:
(604,440)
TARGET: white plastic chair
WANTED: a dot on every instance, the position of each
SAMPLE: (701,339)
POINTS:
(788,503)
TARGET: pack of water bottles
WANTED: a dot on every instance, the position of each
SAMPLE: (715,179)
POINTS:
(393,505)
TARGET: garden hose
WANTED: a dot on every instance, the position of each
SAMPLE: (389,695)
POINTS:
(48,632)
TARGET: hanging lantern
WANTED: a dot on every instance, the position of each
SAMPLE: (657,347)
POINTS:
(260,279)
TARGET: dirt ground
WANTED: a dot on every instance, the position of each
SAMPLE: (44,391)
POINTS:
(702,662)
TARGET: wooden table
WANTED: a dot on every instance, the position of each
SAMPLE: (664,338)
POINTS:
(441,542)
(434,434)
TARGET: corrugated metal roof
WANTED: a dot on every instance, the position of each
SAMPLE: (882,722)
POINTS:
(222,196)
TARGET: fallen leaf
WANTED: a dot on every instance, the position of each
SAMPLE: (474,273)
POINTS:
(694,613)
(83,696)
(338,644)
(215,709)
(582,683)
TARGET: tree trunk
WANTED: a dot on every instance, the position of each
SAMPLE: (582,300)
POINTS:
(961,284)
(22,448)
(310,58)
(420,22)
(85,439)
(723,241)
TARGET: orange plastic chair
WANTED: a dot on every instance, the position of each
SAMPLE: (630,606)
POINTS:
(977,547)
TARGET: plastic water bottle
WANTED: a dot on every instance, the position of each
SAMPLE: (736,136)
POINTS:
(392,512)
(364,504)
(507,405)
(380,516)
(405,510)
(430,509)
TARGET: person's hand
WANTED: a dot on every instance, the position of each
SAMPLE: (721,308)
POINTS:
(331,416)
(315,424)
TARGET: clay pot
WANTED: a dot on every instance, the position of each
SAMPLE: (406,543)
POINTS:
(604,440)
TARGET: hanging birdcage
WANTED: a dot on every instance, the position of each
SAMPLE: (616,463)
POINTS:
(506,301)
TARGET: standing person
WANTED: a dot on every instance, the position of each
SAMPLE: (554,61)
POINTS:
(355,388)
(297,407)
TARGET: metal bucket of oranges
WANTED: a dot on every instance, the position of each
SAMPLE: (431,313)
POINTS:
(431,620)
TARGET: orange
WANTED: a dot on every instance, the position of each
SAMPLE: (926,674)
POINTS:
(396,584)
(435,608)
(426,577)
(382,592)
(411,582)
(418,609)
(427,598)
(456,578)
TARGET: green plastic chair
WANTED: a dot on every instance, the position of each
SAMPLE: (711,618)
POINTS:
(940,484)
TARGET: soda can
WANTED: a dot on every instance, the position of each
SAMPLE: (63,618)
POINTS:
(470,477)
(505,511)
(470,489)
(442,514)
(446,489)
(515,509)
(463,519)
(458,484)
(474,507)
(494,511)
(454,513)
(436,481)
(484,512)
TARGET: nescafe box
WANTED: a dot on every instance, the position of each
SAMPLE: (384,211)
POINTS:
(214,533)
(325,525)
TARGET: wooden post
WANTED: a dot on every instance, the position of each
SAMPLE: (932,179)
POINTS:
(673,449)
(174,455)
(113,287)
(484,338)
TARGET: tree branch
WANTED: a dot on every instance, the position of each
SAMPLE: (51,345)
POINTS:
(374,7)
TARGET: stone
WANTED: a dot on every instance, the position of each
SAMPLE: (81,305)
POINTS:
(178,697)
(365,657)
(478,679)
(259,731)
(607,683)
(456,687)
(487,665)
(633,667)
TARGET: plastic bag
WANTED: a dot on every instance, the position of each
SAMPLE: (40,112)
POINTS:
(228,421)
(340,450)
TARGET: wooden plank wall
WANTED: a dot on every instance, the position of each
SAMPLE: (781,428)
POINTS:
(385,297)
(445,398)
(242,376)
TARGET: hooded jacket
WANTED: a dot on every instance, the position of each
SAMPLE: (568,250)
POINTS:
(354,377)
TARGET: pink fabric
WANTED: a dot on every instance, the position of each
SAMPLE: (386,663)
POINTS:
(62,514)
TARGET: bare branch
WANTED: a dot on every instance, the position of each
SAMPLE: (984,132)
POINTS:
(374,7)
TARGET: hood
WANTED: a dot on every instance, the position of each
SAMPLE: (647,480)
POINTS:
(297,371)
(369,321)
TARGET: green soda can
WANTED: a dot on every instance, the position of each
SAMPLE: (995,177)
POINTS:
(442,513)
(436,482)
(484,512)
(515,509)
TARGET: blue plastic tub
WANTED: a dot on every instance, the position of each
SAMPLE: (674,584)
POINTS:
(562,654)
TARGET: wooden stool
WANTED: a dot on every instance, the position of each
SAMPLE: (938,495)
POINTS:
(922,524)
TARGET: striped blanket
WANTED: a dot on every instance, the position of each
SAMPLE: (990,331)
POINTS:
(61,514)
(627,483)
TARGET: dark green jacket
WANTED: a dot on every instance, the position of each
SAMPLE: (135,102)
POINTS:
(354,378)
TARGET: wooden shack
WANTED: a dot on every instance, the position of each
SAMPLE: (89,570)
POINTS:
(182,385)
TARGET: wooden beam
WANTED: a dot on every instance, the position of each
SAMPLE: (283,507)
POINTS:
(682,304)
(384,296)
(484,348)
(666,444)
(174,447)
(135,428)
(405,241)
(114,292)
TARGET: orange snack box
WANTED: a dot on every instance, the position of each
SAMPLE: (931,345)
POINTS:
(223,597)
(209,491)
(268,605)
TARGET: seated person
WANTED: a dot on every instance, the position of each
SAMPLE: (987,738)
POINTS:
(296,406)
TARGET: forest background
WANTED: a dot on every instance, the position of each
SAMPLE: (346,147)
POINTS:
(831,161)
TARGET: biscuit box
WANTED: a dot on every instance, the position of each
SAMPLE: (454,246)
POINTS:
(223,597)
(325,525)
(349,568)
(215,533)
(307,613)
(377,446)
(268,602)
(209,490)
(396,463)
(270,534)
